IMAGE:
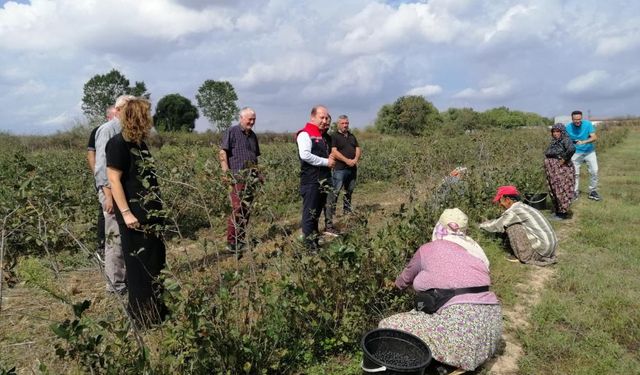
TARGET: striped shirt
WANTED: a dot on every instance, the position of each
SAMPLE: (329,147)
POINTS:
(539,231)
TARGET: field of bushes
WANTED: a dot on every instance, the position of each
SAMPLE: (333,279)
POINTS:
(278,309)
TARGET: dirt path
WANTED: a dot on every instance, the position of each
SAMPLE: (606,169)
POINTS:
(528,295)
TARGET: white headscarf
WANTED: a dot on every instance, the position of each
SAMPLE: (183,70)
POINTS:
(452,226)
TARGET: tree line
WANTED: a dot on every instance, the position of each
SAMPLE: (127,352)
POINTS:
(414,115)
(174,112)
(408,115)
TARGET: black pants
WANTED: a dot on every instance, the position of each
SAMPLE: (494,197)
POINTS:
(144,257)
(313,201)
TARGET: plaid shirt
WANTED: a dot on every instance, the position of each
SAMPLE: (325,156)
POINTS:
(539,231)
(242,149)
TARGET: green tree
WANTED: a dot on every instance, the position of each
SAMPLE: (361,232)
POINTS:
(408,115)
(174,112)
(462,119)
(217,100)
(102,90)
(503,117)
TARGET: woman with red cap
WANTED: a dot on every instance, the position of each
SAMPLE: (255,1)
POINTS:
(530,234)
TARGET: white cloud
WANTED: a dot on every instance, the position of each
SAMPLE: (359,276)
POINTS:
(602,84)
(381,26)
(509,20)
(30,87)
(294,67)
(285,55)
(361,76)
(494,88)
(593,80)
(613,45)
(426,90)
(47,25)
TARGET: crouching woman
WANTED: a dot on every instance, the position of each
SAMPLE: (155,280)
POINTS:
(467,329)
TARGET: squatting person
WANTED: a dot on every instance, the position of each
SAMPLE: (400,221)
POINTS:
(465,330)
(530,234)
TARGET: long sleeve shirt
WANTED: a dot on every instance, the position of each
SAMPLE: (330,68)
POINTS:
(539,231)
(104,133)
(445,264)
(304,151)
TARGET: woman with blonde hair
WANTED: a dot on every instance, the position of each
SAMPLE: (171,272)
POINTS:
(131,173)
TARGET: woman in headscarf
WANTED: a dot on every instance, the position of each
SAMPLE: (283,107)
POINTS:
(467,329)
(131,173)
(559,170)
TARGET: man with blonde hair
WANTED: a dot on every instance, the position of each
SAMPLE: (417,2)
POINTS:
(114,267)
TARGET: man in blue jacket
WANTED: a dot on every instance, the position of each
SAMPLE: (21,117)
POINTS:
(583,134)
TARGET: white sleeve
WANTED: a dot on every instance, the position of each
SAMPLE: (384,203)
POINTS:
(304,150)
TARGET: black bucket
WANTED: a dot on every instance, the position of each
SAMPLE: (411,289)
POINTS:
(390,351)
(536,200)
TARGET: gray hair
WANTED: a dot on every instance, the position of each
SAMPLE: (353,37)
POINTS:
(122,100)
(245,111)
(343,117)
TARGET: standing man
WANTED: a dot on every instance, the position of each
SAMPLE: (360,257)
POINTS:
(327,185)
(530,234)
(583,134)
(346,150)
(239,151)
(114,267)
(315,168)
(91,159)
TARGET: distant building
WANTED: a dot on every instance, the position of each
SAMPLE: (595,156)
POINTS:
(561,119)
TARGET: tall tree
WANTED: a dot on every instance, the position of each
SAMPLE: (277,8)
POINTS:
(174,112)
(217,100)
(410,114)
(102,90)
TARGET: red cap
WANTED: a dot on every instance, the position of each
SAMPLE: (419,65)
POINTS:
(505,190)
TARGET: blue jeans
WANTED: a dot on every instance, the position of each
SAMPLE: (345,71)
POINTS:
(592,164)
(341,178)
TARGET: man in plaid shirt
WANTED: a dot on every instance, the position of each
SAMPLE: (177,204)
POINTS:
(238,155)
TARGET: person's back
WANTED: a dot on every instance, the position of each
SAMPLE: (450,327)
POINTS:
(539,230)
(444,264)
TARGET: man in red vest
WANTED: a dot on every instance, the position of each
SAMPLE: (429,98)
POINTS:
(315,173)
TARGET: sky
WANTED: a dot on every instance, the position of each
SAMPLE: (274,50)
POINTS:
(285,56)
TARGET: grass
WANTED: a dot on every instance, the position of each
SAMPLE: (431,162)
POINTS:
(587,321)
